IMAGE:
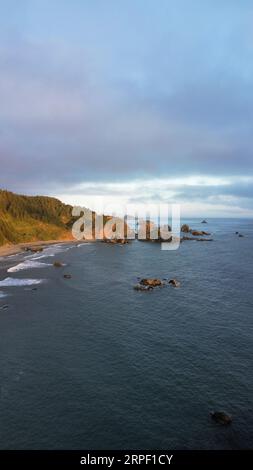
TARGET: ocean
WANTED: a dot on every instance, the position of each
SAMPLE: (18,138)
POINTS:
(91,363)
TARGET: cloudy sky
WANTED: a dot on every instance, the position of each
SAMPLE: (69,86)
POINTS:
(138,100)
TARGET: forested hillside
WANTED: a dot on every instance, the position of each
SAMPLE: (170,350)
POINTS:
(32,218)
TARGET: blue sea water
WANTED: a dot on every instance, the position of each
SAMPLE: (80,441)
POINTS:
(90,363)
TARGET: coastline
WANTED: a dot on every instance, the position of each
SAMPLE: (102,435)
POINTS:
(8,250)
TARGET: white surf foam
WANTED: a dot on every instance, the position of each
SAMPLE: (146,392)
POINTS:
(12,282)
(30,264)
(51,251)
(2,295)
(83,244)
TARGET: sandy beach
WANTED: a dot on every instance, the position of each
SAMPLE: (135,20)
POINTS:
(8,250)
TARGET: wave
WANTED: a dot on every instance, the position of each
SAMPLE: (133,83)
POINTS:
(83,244)
(12,282)
(51,251)
(27,265)
(2,294)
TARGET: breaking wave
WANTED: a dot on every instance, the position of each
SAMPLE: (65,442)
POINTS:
(27,265)
(12,282)
(51,251)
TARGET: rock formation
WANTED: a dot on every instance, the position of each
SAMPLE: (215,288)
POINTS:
(221,418)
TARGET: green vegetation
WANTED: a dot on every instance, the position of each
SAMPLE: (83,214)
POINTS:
(31,218)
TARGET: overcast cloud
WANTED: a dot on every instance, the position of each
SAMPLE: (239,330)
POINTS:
(134,93)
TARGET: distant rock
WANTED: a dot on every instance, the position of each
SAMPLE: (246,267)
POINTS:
(185,228)
(67,276)
(142,288)
(184,238)
(148,284)
(58,264)
(240,235)
(221,418)
(198,233)
(174,283)
(237,233)
(151,282)
(115,241)
(204,221)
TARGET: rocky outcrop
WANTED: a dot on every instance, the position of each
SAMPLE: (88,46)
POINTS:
(67,276)
(185,228)
(151,282)
(174,283)
(199,233)
(58,264)
(221,418)
(184,238)
(34,249)
(240,235)
(116,241)
(148,284)
(142,288)
(204,221)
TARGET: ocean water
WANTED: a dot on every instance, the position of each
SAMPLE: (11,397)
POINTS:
(90,363)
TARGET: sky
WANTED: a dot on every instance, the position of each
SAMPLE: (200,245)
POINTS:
(136,101)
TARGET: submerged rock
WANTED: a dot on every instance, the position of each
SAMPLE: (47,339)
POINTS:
(184,238)
(174,283)
(240,235)
(4,307)
(58,264)
(221,417)
(67,276)
(198,233)
(142,288)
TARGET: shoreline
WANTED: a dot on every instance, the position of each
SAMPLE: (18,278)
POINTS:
(8,250)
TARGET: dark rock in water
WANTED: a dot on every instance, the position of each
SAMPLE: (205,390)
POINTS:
(37,249)
(240,235)
(34,249)
(185,228)
(184,238)
(67,276)
(148,284)
(174,283)
(151,282)
(143,288)
(115,241)
(204,221)
(4,307)
(58,264)
(198,233)
(237,233)
(34,288)
(221,418)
